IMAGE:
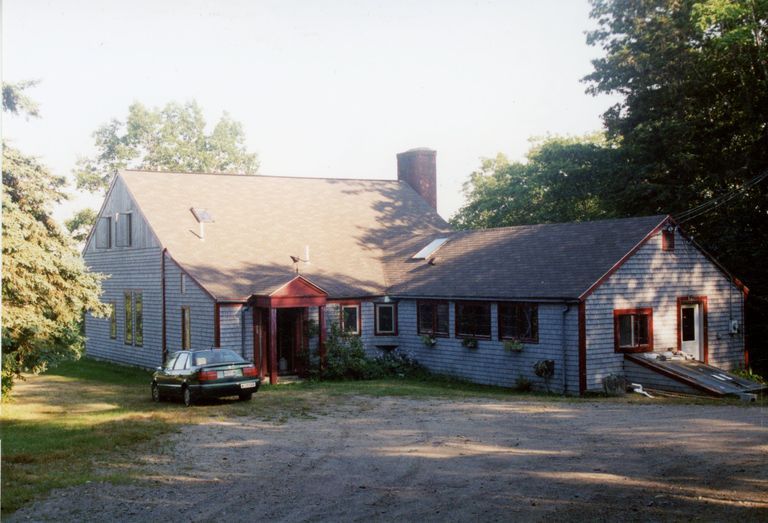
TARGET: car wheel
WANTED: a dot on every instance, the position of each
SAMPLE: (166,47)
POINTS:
(155,392)
(187,397)
(246,396)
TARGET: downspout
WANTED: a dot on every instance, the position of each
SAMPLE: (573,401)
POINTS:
(564,348)
(162,281)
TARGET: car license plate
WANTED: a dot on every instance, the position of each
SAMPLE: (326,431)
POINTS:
(228,373)
(248,385)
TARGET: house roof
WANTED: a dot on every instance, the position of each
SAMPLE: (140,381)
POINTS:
(258,222)
(362,236)
(549,261)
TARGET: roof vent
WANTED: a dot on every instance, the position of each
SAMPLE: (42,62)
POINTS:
(202,216)
(430,249)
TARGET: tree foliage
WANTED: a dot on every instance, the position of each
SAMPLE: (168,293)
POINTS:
(691,125)
(80,224)
(564,179)
(173,138)
(45,287)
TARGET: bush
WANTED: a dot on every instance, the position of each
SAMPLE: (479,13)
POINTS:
(345,356)
(749,374)
(523,384)
(346,360)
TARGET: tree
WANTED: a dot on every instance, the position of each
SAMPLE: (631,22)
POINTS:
(564,179)
(46,287)
(692,123)
(171,139)
(80,224)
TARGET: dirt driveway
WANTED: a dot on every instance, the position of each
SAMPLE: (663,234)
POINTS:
(439,460)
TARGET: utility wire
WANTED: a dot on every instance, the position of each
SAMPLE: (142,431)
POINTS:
(712,204)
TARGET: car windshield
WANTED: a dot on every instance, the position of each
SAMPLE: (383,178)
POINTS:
(206,357)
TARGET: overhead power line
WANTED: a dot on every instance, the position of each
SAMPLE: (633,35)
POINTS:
(712,204)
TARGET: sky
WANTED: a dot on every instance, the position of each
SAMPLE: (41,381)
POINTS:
(322,88)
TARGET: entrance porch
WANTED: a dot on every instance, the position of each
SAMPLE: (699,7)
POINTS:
(283,328)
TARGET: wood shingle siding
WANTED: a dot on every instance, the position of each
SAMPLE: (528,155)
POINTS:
(490,364)
(121,269)
(200,304)
(655,278)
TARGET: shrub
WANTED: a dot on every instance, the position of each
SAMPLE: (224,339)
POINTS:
(395,363)
(344,356)
(749,374)
(522,384)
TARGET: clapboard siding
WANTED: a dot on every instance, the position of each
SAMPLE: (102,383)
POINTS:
(656,278)
(121,273)
(200,304)
(654,380)
(490,363)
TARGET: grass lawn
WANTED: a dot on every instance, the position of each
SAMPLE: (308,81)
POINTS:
(80,421)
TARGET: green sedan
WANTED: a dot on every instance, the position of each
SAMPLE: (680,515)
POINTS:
(213,373)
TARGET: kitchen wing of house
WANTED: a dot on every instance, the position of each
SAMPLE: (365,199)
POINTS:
(201,261)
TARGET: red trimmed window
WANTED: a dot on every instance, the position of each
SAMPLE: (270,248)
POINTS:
(350,318)
(633,330)
(433,318)
(667,240)
(473,319)
(519,321)
(385,315)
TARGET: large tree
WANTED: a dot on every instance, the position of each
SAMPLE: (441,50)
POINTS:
(692,124)
(173,138)
(563,179)
(46,287)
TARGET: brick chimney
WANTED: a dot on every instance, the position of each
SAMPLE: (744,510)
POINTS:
(417,168)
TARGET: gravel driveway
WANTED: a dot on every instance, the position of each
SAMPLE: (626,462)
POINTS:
(439,460)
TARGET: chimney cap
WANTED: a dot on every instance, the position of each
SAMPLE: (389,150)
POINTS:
(418,150)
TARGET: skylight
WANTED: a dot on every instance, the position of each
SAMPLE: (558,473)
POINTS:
(202,215)
(430,249)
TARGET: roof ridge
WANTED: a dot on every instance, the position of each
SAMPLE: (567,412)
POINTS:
(245,175)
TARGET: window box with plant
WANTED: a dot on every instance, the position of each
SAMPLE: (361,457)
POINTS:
(429,341)
(470,343)
(513,346)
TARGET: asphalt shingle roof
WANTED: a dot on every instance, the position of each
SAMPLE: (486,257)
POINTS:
(362,235)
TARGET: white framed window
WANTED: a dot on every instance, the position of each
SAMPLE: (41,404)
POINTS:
(350,318)
(183,283)
(385,315)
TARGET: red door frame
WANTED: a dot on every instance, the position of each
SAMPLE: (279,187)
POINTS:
(702,302)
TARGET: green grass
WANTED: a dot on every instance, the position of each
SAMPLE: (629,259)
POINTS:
(89,420)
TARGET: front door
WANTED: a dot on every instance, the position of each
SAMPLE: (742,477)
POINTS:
(289,340)
(690,329)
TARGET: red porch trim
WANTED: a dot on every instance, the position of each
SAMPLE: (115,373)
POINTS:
(321,341)
(582,346)
(272,346)
(702,302)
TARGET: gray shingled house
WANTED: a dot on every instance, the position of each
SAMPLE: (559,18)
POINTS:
(205,260)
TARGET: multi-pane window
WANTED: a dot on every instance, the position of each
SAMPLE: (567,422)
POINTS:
(113,321)
(433,318)
(519,321)
(473,319)
(128,330)
(186,329)
(633,330)
(104,233)
(350,319)
(138,309)
(386,318)
(124,231)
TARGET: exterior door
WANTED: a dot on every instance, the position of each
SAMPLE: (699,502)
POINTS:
(691,334)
